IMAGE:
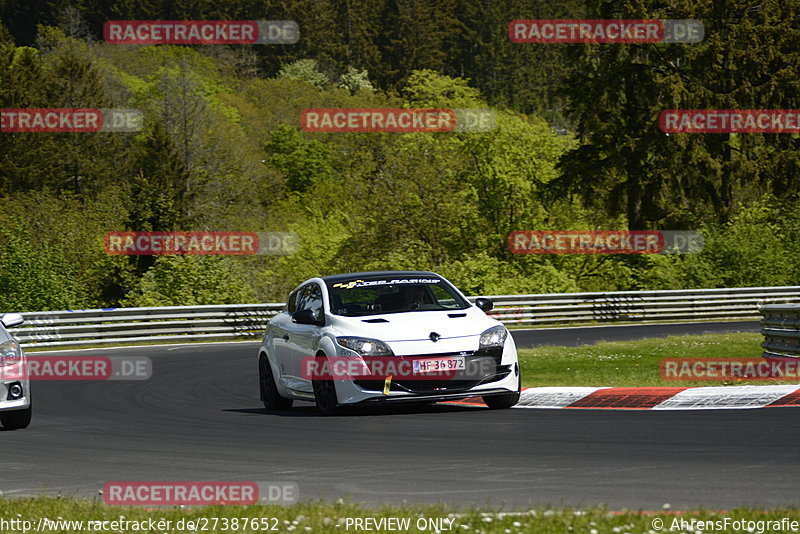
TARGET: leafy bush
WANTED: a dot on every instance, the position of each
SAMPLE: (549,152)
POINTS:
(301,161)
(482,274)
(355,80)
(35,276)
(304,70)
(756,248)
(191,281)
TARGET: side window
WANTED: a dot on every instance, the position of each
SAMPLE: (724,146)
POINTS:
(444,299)
(291,304)
(310,298)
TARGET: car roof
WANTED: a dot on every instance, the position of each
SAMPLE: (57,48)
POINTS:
(374,274)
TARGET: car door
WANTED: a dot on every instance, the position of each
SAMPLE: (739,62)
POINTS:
(303,338)
(280,336)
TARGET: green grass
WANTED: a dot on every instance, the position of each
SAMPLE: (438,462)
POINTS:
(316,517)
(632,363)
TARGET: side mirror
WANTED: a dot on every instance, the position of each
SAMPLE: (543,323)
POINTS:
(309,317)
(484,304)
(11,320)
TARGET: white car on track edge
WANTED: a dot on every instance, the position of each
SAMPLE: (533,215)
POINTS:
(385,337)
(15,388)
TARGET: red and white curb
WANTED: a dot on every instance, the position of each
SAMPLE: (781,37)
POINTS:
(656,398)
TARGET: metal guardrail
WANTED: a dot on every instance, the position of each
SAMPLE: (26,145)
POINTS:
(781,329)
(131,325)
(640,306)
(248,321)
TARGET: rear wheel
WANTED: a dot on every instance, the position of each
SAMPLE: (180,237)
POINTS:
(269,391)
(501,402)
(325,395)
(16,419)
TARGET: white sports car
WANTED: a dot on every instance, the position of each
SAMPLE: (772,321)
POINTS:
(15,388)
(385,337)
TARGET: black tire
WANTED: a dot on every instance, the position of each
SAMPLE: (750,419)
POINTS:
(501,402)
(325,396)
(16,419)
(269,391)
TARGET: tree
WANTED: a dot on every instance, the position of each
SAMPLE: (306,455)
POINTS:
(302,162)
(359,21)
(35,276)
(355,80)
(304,70)
(192,281)
(415,31)
(626,165)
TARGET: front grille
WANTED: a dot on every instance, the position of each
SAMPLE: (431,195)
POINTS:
(483,366)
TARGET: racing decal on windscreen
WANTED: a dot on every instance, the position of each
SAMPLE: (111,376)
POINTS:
(368,283)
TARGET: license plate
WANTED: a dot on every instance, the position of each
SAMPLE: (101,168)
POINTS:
(432,365)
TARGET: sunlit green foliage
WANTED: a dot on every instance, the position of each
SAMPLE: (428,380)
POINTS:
(223,149)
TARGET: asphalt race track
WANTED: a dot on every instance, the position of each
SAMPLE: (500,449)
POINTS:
(199,418)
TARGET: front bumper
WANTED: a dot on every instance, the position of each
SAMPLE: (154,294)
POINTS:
(502,377)
(7,403)
(482,367)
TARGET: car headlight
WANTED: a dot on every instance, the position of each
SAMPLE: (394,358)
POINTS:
(494,337)
(10,353)
(365,346)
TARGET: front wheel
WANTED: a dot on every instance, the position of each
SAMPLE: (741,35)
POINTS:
(501,402)
(16,419)
(325,395)
(269,391)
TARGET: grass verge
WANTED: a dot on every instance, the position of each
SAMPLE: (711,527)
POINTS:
(633,363)
(340,517)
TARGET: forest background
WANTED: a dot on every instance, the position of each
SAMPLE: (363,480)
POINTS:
(577,147)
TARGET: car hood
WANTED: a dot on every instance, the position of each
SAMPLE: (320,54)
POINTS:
(398,329)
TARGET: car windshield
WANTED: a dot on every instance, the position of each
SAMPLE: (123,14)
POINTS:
(357,298)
